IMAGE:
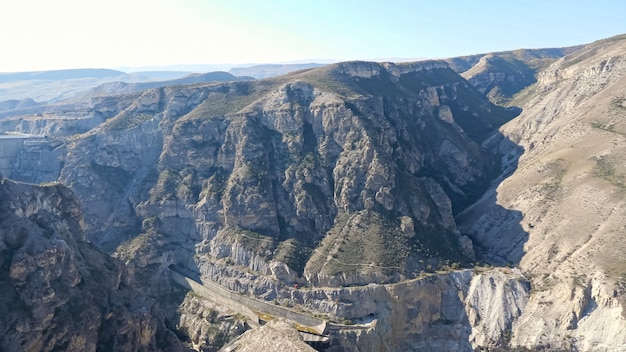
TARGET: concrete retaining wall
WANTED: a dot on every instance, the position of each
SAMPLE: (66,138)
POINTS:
(219,298)
(247,305)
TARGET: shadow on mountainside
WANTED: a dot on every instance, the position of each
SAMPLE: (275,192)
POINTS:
(185,311)
(496,232)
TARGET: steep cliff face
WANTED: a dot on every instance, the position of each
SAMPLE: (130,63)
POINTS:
(34,159)
(567,193)
(297,170)
(58,291)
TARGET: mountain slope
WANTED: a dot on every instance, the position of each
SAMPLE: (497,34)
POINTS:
(47,86)
(569,186)
(341,175)
(81,84)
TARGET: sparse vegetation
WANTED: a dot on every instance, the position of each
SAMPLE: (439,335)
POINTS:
(125,121)
(228,99)
(264,246)
(167,185)
(577,58)
(619,103)
(117,177)
(524,96)
(579,280)
(552,187)
(128,249)
(507,335)
(292,253)
(606,127)
(362,242)
(605,169)
(219,103)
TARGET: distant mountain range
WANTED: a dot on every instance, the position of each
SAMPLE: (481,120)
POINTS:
(57,85)
(271,70)
(114,88)
(59,75)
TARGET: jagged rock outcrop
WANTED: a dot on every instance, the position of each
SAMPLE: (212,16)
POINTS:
(455,311)
(31,158)
(58,291)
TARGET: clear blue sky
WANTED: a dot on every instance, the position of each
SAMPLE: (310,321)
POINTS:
(44,34)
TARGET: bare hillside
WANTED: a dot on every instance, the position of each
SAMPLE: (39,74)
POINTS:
(569,189)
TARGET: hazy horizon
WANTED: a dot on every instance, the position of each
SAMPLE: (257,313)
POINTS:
(42,35)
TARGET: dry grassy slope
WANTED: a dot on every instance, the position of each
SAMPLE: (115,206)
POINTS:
(570,188)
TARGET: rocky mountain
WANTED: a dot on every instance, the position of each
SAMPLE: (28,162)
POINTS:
(393,200)
(281,169)
(15,104)
(58,75)
(58,291)
(276,335)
